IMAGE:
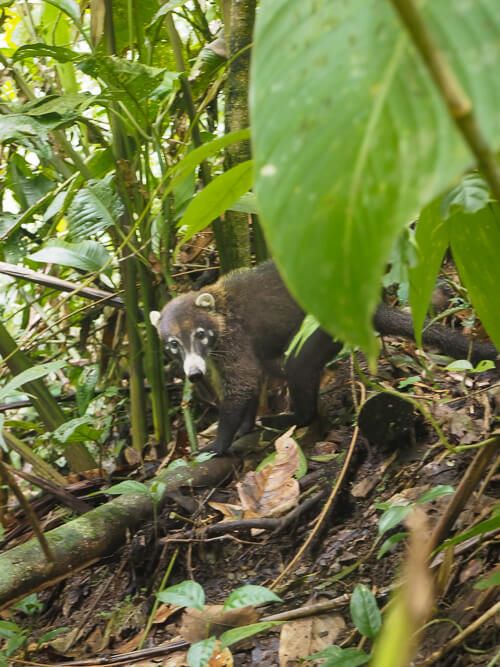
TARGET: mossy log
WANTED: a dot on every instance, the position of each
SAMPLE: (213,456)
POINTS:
(78,543)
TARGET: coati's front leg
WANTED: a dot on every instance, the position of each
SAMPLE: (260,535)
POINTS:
(240,398)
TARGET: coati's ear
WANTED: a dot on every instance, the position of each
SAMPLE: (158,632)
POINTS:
(205,300)
(154,318)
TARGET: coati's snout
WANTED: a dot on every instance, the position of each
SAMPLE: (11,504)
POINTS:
(189,331)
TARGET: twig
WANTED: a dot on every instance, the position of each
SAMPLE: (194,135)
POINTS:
(327,506)
(469,482)
(459,638)
(450,89)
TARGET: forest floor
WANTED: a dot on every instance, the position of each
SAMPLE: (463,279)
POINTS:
(103,610)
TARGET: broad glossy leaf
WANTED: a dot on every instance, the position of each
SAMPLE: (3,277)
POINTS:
(200,653)
(214,199)
(42,50)
(352,140)
(88,256)
(365,612)
(436,492)
(475,240)
(94,209)
(28,132)
(392,517)
(432,241)
(128,488)
(69,7)
(29,375)
(237,634)
(79,429)
(250,595)
(469,196)
(335,656)
(186,594)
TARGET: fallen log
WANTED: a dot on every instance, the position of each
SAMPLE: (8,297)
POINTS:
(98,533)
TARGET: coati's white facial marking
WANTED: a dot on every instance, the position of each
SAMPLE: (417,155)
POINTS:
(201,335)
(173,345)
(194,366)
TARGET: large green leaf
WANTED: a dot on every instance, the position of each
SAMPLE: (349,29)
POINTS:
(41,50)
(94,209)
(88,256)
(216,198)
(28,132)
(475,240)
(352,139)
(69,7)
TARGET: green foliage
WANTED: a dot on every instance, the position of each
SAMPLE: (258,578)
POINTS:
(94,209)
(88,256)
(186,594)
(215,199)
(365,612)
(341,171)
(335,656)
(238,634)
(9,390)
(249,595)
(200,653)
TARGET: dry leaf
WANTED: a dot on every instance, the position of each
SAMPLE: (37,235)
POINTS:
(273,490)
(231,511)
(213,620)
(308,635)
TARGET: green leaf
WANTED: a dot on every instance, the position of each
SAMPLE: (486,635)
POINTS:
(247,203)
(250,594)
(85,387)
(307,328)
(431,239)
(470,196)
(88,256)
(480,529)
(200,653)
(129,487)
(68,107)
(69,7)
(41,50)
(186,594)
(365,612)
(29,375)
(168,7)
(433,494)
(28,132)
(52,634)
(475,240)
(460,365)
(335,656)
(342,168)
(195,157)
(392,517)
(80,429)
(9,629)
(237,634)
(491,580)
(8,222)
(94,209)
(390,543)
(214,199)
(484,365)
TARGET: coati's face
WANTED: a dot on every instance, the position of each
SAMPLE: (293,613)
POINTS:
(189,329)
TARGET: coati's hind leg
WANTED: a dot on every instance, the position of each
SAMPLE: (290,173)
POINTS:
(303,373)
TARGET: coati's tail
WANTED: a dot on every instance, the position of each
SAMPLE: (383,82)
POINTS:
(394,322)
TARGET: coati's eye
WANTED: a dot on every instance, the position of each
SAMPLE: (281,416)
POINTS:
(200,333)
(173,346)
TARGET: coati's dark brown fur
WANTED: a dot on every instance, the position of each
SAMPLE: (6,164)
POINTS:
(245,322)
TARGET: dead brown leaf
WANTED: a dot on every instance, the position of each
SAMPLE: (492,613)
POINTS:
(308,635)
(273,490)
(213,620)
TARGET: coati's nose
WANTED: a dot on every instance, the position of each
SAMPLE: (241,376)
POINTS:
(195,375)
(194,366)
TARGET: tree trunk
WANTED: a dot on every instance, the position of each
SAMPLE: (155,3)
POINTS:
(238,37)
(77,544)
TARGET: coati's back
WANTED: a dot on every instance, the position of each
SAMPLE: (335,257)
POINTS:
(258,307)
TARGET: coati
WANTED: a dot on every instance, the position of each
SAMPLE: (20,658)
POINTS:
(244,323)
